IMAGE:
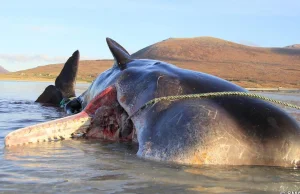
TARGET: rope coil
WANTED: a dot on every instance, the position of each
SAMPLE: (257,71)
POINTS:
(64,101)
(213,95)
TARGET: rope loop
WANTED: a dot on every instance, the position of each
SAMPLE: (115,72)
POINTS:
(213,95)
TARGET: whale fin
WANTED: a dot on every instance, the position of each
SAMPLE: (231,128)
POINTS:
(122,57)
(65,81)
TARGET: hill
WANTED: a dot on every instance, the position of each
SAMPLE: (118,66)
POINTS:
(2,70)
(245,65)
(88,70)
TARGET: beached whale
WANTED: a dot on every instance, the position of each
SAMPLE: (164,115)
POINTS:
(228,130)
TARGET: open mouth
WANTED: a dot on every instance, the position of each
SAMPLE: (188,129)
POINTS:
(103,118)
(109,120)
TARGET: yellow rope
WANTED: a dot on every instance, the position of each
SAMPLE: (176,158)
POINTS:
(213,95)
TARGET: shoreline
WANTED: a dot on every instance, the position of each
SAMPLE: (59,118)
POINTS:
(279,89)
(258,89)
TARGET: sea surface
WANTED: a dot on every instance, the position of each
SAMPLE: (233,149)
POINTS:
(85,166)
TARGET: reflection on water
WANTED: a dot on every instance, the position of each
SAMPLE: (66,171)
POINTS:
(85,166)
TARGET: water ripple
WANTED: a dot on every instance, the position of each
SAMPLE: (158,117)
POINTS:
(81,166)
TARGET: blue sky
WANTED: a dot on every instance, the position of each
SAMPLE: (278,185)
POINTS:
(35,32)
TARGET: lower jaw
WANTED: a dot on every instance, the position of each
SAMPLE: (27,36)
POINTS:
(50,131)
(68,127)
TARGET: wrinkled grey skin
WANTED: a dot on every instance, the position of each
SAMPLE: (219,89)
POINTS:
(223,130)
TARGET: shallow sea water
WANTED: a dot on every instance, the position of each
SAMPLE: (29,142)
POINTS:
(85,166)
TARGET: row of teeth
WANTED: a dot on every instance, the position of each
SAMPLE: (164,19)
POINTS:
(48,139)
(53,139)
(60,133)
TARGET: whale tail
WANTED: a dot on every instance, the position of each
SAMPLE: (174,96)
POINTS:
(64,83)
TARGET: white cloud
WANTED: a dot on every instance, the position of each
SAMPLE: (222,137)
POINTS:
(46,28)
(27,58)
(16,62)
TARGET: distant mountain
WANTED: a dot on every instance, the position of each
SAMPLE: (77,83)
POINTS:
(2,70)
(214,50)
(244,65)
(296,46)
(247,66)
